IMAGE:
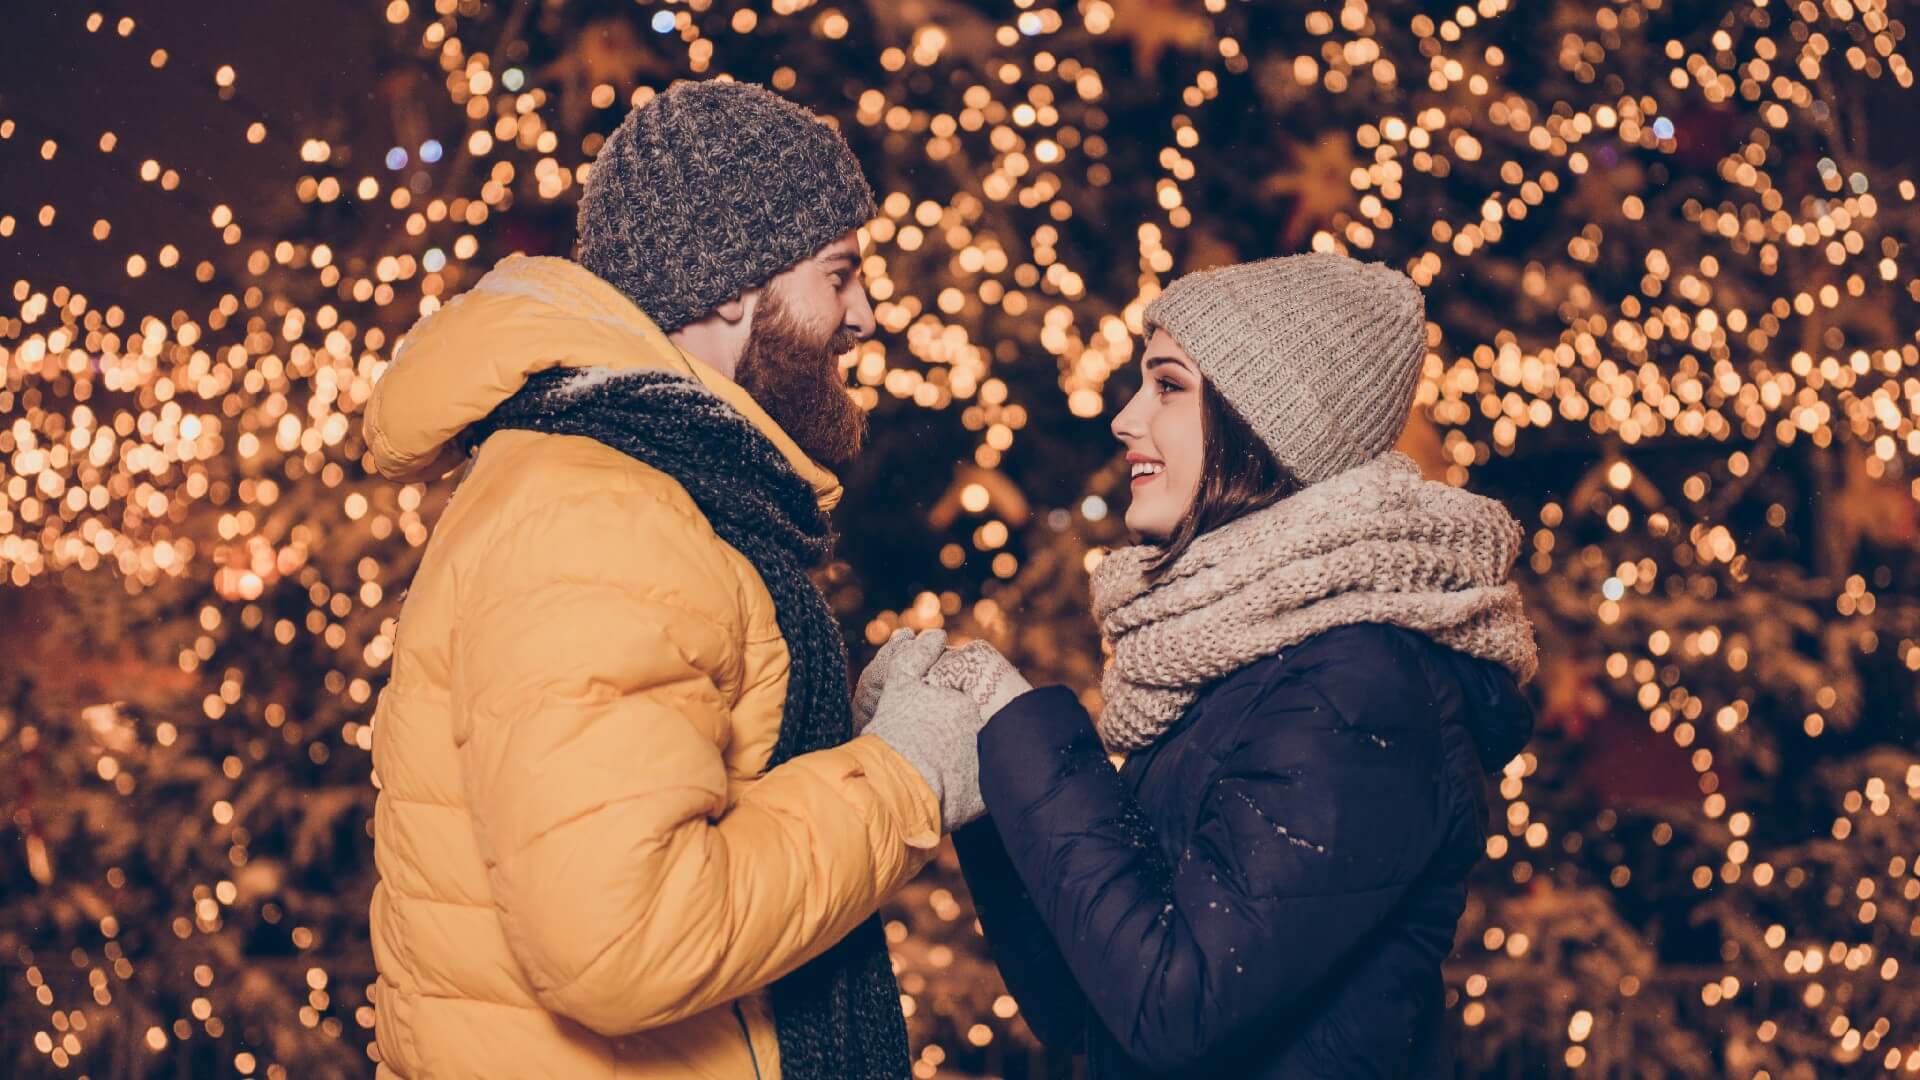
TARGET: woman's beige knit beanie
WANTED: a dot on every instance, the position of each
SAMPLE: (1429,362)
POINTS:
(1319,353)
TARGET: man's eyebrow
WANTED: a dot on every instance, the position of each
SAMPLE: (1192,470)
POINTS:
(844,258)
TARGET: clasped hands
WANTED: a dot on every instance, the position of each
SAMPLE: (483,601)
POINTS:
(929,703)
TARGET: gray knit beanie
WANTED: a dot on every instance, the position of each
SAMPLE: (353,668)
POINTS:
(713,188)
(1319,353)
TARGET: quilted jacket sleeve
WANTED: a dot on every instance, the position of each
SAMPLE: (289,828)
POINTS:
(1310,829)
(1022,946)
(595,638)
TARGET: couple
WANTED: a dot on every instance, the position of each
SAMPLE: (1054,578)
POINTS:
(634,822)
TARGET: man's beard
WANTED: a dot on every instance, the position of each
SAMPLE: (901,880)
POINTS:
(793,372)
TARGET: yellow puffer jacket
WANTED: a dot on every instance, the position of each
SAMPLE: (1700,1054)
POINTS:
(583,872)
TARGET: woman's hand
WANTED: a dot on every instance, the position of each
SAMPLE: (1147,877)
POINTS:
(978,670)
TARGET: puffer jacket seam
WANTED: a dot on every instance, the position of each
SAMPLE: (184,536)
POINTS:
(648,593)
(687,514)
(640,481)
(422,898)
(408,1032)
(538,514)
(1221,764)
(403,943)
(539,511)
(1201,956)
(1257,696)
(632,928)
(572,819)
(475,999)
(379,441)
(635,925)
(437,899)
(411,801)
(403,1033)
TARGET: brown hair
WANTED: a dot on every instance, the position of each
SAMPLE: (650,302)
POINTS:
(1238,476)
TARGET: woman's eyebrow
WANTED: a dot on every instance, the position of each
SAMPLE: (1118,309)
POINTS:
(1153,362)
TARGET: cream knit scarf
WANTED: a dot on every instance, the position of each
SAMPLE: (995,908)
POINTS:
(1376,544)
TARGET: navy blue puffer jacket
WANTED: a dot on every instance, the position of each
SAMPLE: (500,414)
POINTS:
(1266,891)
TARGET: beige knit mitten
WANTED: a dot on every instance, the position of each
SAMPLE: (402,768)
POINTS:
(934,728)
(873,680)
(978,670)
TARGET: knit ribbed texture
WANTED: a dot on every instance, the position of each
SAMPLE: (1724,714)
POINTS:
(1376,544)
(838,1017)
(1319,353)
(978,670)
(711,189)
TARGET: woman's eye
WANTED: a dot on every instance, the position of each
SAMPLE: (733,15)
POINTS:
(1167,386)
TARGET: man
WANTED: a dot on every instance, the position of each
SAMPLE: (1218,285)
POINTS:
(622,827)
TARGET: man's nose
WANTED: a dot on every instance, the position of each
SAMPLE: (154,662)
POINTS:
(859,318)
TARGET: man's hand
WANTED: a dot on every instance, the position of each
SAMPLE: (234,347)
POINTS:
(873,680)
(934,728)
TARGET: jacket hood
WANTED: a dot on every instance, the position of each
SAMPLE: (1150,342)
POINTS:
(1495,710)
(529,314)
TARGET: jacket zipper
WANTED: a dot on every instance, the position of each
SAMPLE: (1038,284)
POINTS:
(747,1035)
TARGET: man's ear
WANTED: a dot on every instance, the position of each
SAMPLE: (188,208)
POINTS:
(739,309)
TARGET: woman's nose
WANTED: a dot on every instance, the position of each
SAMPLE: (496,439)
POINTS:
(1126,423)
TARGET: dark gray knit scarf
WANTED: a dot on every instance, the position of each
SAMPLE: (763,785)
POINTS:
(838,1017)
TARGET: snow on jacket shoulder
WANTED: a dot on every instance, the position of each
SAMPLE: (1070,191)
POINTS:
(1269,889)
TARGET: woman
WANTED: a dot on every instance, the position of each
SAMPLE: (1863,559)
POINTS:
(1316,659)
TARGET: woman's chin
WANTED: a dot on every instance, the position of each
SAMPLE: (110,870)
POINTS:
(1147,526)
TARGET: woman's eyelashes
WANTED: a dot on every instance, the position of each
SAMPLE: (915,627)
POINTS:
(1167,386)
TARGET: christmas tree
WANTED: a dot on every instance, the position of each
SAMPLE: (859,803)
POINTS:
(1668,251)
